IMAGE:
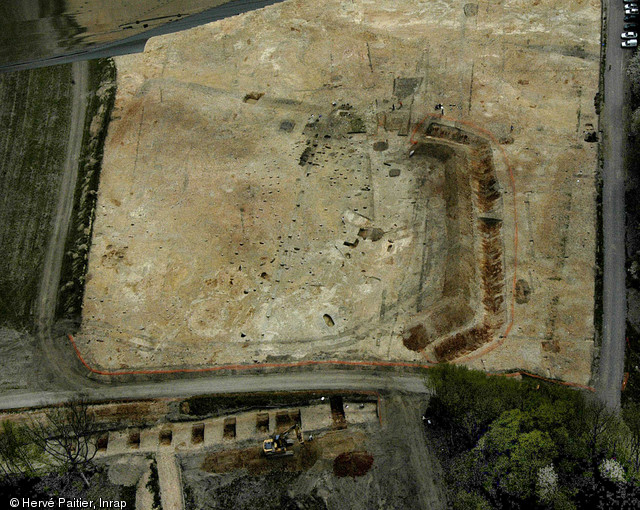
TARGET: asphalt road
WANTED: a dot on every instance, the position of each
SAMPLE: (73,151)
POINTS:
(135,43)
(616,92)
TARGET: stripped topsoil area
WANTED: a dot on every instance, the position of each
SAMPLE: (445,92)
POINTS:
(274,189)
(360,467)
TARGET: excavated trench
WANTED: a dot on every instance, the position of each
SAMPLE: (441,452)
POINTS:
(472,296)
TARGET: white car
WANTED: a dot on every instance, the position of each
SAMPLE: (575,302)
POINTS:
(629,35)
(633,10)
(629,43)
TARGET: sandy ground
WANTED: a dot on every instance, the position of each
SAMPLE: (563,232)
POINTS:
(222,218)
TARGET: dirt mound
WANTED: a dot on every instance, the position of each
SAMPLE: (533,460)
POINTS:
(416,338)
(352,464)
(523,290)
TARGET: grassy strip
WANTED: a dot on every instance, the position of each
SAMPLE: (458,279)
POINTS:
(102,86)
(35,107)
(598,307)
(632,164)
(631,363)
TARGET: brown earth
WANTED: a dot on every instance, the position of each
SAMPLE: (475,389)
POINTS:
(323,446)
(352,464)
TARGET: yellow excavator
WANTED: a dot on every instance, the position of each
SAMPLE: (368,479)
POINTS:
(279,444)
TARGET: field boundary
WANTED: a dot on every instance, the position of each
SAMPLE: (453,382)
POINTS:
(308,363)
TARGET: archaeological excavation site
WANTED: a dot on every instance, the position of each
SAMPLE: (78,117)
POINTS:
(352,182)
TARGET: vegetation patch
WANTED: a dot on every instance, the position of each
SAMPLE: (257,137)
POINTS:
(153,485)
(53,456)
(35,110)
(530,445)
(632,358)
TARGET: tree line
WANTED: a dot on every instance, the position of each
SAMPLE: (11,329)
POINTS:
(507,444)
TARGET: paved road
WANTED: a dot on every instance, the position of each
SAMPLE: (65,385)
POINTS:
(615,145)
(135,43)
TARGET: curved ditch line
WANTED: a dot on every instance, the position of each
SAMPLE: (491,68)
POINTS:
(218,368)
(554,381)
(501,339)
(312,363)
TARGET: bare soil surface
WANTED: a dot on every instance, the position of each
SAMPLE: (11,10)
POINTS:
(260,201)
(377,468)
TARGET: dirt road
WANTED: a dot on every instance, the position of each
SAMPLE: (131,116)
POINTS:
(285,381)
(46,303)
(616,95)
(404,418)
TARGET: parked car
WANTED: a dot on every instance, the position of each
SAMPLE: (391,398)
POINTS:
(634,10)
(629,35)
(629,43)
(630,26)
(631,6)
(629,1)
(631,17)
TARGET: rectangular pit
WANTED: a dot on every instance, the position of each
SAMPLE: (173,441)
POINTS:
(229,428)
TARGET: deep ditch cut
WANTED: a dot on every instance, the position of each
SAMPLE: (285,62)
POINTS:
(484,223)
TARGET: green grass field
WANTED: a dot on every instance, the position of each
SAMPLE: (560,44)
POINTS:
(34,123)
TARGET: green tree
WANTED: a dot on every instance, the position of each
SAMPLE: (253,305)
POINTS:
(67,435)
(631,415)
(514,455)
(600,433)
(18,455)
(468,401)
(635,122)
(633,73)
